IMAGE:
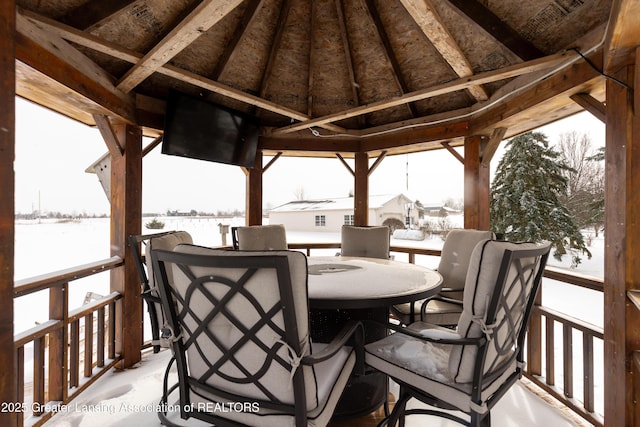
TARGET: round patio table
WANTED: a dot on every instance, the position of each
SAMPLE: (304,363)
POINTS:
(343,288)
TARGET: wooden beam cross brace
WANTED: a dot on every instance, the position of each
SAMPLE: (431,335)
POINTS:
(109,135)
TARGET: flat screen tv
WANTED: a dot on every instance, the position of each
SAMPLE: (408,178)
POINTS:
(199,129)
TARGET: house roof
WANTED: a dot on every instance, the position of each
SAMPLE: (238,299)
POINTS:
(335,204)
(327,76)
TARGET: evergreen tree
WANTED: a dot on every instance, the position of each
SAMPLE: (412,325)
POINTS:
(525,194)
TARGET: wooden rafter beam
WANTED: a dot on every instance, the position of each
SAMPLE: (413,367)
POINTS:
(482,17)
(283,17)
(455,85)
(313,28)
(622,35)
(94,12)
(347,56)
(203,17)
(560,84)
(432,26)
(391,57)
(51,55)
(592,105)
(117,51)
(238,36)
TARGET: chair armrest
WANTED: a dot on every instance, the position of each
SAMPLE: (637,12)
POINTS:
(351,328)
(439,338)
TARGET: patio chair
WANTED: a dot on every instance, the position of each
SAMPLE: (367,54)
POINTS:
(371,242)
(272,237)
(241,339)
(165,240)
(445,308)
(471,368)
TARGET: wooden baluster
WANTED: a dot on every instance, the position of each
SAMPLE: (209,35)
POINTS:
(88,345)
(38,375)
(101,333)
(550,354)
(567,349)
(74,356)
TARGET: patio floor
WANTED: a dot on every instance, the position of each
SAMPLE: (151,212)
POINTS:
(129,397)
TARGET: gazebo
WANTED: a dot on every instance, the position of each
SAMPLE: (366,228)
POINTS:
(347,79)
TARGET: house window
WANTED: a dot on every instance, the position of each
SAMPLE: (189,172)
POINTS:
(321,221)
(348,220)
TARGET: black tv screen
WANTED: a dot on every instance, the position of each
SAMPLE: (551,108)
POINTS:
(198,129)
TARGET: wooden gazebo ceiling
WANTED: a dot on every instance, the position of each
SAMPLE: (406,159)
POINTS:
(327,76)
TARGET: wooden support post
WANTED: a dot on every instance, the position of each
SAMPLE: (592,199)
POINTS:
(622,239)
(476,186)
(253,192)
(361,191)
(8,380)
(126,215)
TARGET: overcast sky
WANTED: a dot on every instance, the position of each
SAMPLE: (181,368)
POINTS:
(52,153)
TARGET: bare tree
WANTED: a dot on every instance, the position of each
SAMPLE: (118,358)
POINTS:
(299,193)
(585,178)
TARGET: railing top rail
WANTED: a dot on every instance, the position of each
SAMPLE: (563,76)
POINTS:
(41,330)
(45,281)
(575,278)
(93,306)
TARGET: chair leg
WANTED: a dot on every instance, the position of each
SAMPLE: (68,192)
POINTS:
(397,415)
(480,420)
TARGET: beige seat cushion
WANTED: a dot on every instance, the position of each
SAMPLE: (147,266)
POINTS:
(371,242)
(272,237)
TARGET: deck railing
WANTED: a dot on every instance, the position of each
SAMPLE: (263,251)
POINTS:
(63,333)
(541,336)
(71,341)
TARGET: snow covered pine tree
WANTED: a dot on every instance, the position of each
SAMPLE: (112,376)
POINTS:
(525,196)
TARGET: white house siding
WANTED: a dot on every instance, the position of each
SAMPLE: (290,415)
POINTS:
(301,215)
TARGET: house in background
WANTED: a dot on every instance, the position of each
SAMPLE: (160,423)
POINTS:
(330,214)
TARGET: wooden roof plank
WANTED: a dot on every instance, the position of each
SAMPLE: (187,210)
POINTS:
(391,57)
(249,15)
(95,43)
(203,17)
(432,26)
(94,12)
(496,28)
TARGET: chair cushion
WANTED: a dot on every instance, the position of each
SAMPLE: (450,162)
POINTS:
(484,267)
(371,242)
(456,251)
(425,365)
(332,376)
(272,237)
(392,355)
(166,243)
